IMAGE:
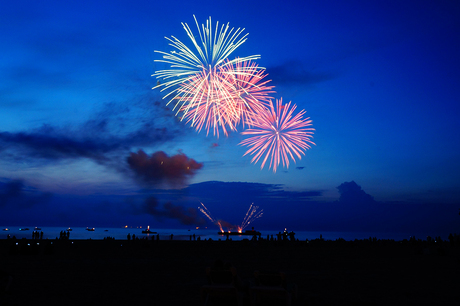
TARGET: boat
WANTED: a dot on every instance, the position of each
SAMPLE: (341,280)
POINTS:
(148,231)
(37,229)
(6,229)
(24,229)
(90,229)
(247,232)
(69,229)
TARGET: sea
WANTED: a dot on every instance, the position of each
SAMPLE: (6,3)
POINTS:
(82,233)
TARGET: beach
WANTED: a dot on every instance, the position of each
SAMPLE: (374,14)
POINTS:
(146,272)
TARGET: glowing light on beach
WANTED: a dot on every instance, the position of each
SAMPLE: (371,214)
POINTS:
(203,82)
(278,135)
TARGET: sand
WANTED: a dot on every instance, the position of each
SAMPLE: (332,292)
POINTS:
(118,272)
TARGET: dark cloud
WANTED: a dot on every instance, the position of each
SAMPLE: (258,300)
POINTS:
(186,216)
(161,168)
(350,192)
(94,139)
(294,73)
(48,144)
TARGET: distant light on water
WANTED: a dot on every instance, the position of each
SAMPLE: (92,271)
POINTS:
(120,233)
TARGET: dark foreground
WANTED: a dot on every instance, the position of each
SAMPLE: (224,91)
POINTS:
(115,272)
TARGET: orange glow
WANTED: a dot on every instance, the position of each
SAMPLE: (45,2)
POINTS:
(220,226)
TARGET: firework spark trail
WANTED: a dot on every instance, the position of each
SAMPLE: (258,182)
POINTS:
(207,213)
(279,135)
(251,215)
(203,68)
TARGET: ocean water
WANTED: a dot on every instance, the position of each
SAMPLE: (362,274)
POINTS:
(184,234)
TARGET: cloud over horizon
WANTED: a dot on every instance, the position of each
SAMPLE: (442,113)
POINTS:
(351,193)
(355,210)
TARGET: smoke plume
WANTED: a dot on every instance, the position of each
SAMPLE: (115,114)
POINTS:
(186,216)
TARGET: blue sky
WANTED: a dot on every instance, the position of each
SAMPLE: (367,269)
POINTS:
(379,80)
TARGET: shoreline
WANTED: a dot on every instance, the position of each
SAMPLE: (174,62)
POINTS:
(121,233)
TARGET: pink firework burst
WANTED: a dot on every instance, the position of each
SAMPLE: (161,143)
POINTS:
(225,97)
(278,134)
(206,101)
(250,90)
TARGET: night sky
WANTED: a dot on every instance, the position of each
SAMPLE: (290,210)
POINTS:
(81,128)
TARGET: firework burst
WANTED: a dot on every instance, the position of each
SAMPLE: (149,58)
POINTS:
(250,90)
(205,211)
(225,98)
(201,79)
(278,135)
(209,91)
